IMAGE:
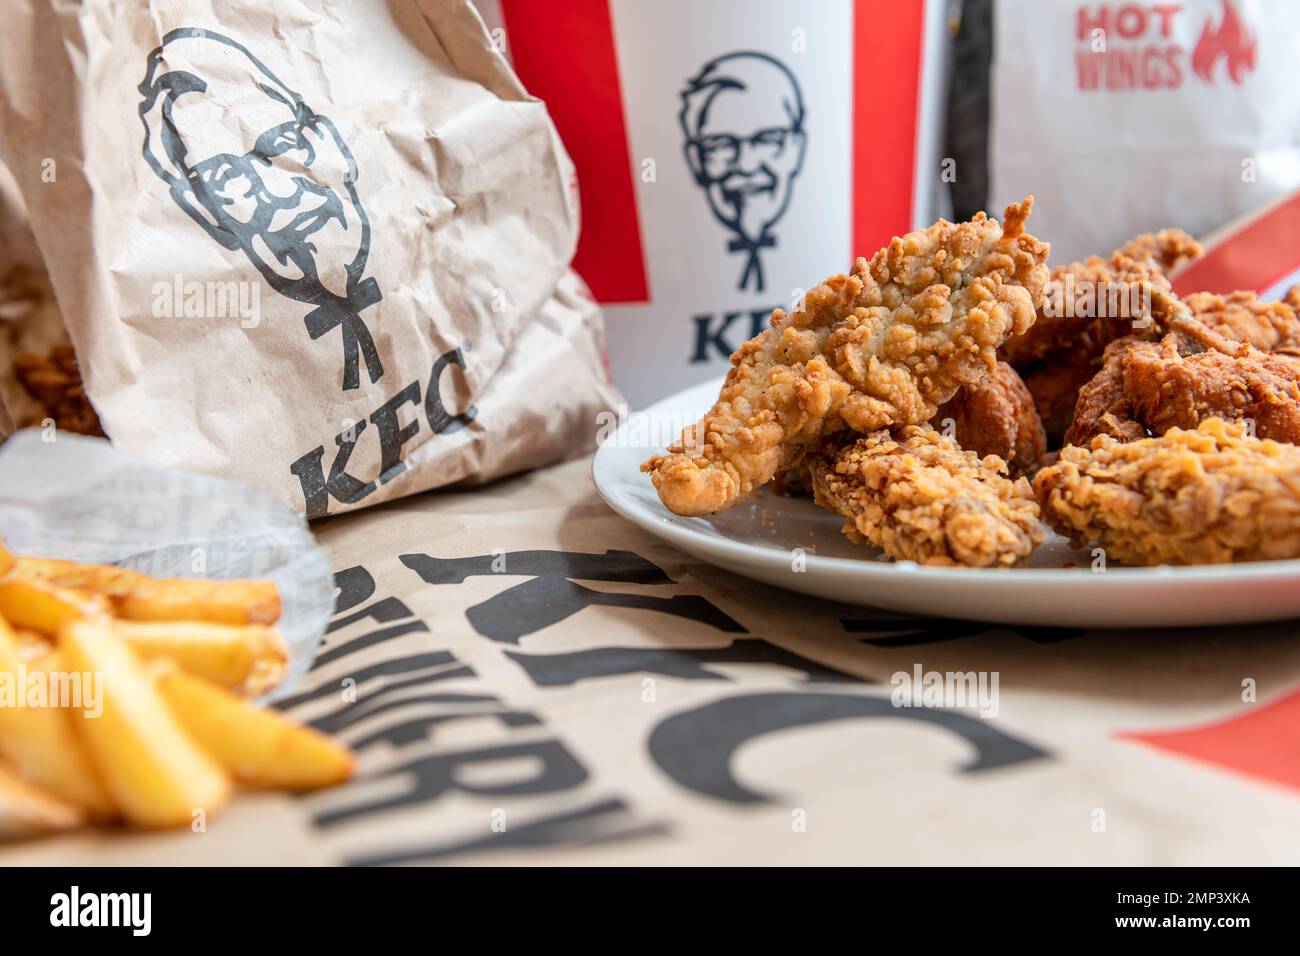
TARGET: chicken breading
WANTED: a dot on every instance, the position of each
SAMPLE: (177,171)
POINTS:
(1193,373)
(1062,334)
(918,496)
(884,345)
(997,417)
(1207,496)
(1244,317)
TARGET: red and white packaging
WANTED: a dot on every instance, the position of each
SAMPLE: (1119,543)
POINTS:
(1258,252)
(1126,117)
(729,156)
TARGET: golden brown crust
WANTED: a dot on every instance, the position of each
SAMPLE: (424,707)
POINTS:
(1146,259)
(997,417)
(1244,317)
(1207,496)
(919,497)
(884,345)
(1190,375)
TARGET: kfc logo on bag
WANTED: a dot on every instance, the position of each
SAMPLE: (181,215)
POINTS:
(282,189)
(1136,46)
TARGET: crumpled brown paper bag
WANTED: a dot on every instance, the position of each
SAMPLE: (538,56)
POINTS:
(319,247)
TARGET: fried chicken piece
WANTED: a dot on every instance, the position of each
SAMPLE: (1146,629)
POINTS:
(1192,374)
(1164,251)
(1063,350)
(1207,496)
(1055,387)
(54,380)
(1057,336)
(1102,407)
(1244,317)
(885,345)
(919,497)
(997,417)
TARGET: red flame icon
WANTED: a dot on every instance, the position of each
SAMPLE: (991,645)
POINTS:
(1232,40)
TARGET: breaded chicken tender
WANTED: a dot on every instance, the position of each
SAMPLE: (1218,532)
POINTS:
(885,345)
(1208,496)
(918,496)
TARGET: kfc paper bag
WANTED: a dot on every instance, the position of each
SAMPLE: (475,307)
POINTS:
(729,156)
(317,252)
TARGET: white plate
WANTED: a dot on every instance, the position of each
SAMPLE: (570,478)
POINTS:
(761,538)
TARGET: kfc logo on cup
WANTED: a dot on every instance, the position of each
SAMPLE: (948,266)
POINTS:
(745,169)
(728,163)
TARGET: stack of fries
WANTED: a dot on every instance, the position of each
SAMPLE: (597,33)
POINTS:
(126,698)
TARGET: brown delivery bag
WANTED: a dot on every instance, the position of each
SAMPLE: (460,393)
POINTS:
(320,247)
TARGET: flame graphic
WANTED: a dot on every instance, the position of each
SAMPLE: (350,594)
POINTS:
(1232,39)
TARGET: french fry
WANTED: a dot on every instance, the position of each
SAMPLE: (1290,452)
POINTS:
(41,742)
(7,560)
(26,810)
(247,658)
(44,607)
(259,747)
(139,597)
(153,770)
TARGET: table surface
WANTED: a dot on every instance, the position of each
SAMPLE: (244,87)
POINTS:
(527,677)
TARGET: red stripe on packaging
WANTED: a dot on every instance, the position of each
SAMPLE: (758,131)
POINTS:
(886,111)
(1253,257)
(564,52)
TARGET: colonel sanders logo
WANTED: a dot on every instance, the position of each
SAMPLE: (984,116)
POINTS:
(742,117)
(263,173)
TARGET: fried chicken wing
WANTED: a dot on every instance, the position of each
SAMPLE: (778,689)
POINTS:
(884,345)
(997,417)
(915,494)
(1244,317)
(1078,333)
(1193,373)
(1207,496)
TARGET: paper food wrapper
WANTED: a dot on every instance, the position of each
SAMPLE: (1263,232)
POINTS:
(79,499)
(539,681)
(1258,252)
(319,247)
(1124,118)
(730,156)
